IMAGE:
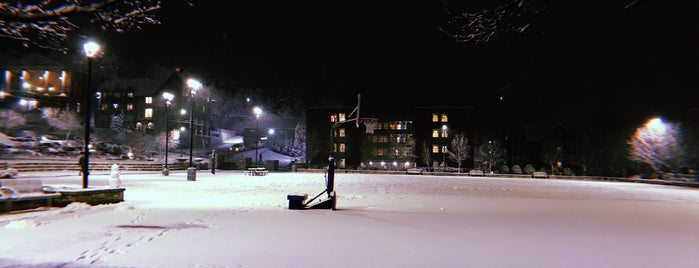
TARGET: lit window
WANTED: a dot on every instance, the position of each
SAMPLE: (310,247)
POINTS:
(104,107)
(379,151)
(150,125)
(342,147)
(129,107)
(341,117)
(444,133)
(333,118)
(444,148)
(149,100)
(435,149)
(149,113)
(444,118)
(435,117)
(342,132)
(435,133)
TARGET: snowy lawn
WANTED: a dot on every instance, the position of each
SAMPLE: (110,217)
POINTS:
(232,220)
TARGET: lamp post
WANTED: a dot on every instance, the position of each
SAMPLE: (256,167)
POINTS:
(194,85)
(168,99)
(444,147)
(91,49)
(257,112)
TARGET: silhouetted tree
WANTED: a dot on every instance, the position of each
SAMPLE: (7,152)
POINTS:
(459,150)
(48,24)
(490,22)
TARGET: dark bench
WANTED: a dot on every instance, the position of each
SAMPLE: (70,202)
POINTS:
(540,174)
(25,194)
(256,172)
(415,171)
(476,172)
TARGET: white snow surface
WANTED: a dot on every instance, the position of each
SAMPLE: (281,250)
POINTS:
(228,219)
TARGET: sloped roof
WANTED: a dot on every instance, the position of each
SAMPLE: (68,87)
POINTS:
(140,86)
(35,61)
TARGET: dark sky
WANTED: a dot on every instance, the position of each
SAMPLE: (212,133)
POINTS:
(579,59)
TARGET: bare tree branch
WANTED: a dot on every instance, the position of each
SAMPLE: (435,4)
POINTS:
(488,24)
(48,23)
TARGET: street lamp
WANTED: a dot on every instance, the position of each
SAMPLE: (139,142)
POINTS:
(168,101)
(257,112)
(91,48)
(194,85)
(444,147)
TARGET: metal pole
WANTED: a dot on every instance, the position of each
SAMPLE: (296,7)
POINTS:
(167,132)
(257,142)
(191,133)
(86,163)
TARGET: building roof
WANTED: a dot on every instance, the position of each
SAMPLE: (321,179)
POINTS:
(35,61)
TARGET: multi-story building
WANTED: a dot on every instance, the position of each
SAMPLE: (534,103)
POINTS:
(35,81)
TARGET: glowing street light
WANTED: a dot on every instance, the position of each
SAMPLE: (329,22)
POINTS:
(194,85)
(168,101)
(91,49)
(257,112)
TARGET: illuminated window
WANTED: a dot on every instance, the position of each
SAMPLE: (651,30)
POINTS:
(435,117)
(435,133)
(129,107)
(341,116)
(342,132)
(150,125)
(444,133)
(380,151)
(334,147)
(149,113)
(444,118)
(342,147)
(333,118)
(444,148)
(104,107)
(149,100)
(435,148)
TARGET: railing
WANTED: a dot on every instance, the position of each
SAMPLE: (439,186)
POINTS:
(65,166)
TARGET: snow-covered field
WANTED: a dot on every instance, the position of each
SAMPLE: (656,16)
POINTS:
(232,220)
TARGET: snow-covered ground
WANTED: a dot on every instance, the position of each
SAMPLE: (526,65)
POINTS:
(232,220)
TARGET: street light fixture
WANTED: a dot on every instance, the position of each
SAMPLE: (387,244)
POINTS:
(168,101)
(194,85)
(257,112)
(444,147)
(91,49)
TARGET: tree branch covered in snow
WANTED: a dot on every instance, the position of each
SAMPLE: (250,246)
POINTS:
(488,24)
(48,23)
(657,144)
(459,150)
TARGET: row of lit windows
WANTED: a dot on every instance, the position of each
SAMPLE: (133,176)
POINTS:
(339,117)
(437,117)
(399,138)
(439,148)
(339,147)
(118,95)
(440,133)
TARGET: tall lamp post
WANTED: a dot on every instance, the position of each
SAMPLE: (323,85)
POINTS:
(91,49)
(168,101)
(194,85)
(257,112)
(444,147)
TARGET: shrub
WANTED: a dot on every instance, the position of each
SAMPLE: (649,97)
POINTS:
(504,169)
(516,169)
(568,172)
(529,169)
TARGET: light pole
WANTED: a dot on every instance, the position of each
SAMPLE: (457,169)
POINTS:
(257,112)
(444,147)
(168,99)
(194,85)
(91,49)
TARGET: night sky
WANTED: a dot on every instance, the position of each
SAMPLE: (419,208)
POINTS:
(588,61)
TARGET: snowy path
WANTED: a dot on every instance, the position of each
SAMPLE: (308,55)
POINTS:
(232,220)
